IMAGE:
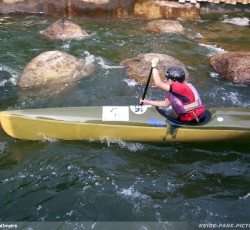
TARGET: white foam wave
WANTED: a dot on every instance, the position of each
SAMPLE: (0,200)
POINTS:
(131,146)
(246,196)
(91,59)
(3,82)
(3,147)
(213,49)
(13,80)
(88,57)
(70,213)
(66,46)
(133,194)
(237,21)
(214,75)
(137,199)
(131,82)
(4,18)
(103,64)
(234,98)
(198,35)
(47,139)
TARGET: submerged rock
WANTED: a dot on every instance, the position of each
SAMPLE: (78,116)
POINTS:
(64,29)
(54,68)
(165,26)
(138,67)
(235,66)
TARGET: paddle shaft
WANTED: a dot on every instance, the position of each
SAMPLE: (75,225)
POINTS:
(146,87)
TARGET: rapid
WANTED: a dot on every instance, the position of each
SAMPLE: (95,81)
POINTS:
(116,183)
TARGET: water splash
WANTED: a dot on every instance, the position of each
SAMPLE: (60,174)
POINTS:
(137,199)
(245,197)
(214,75)
(3,147)
(90,59)
(131,146)
(13,80)
(237,21)
(213,49)
(131,82)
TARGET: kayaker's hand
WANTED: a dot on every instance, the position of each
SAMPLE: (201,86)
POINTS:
(155,62)
(143,101)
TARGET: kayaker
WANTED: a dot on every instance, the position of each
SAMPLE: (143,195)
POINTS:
(183,96)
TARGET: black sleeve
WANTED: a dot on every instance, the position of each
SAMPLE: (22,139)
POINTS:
(170,89)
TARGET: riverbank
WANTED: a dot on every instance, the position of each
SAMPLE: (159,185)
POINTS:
(118,8)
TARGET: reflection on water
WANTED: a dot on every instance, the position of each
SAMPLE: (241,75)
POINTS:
(123,181)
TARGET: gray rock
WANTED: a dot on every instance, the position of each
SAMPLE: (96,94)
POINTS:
(165,26)
(235,66)
(64,30)
(54,68)
(138,67)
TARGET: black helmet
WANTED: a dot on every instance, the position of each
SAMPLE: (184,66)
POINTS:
(175,74)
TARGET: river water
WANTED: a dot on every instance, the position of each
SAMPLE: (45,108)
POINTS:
(116,184)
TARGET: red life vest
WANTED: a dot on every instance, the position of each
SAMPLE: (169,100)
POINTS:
(186,101)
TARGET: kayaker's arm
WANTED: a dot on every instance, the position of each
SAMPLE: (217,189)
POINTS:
(165,103)
(156,76)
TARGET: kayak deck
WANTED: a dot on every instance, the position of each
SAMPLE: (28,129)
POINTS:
(131,123)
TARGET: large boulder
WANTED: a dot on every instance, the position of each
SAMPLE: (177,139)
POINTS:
(138,67)
(234,66)
(54,68)
(165,26)
(64,30)
(166,9)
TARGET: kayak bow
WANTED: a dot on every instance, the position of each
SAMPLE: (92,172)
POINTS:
(129,123)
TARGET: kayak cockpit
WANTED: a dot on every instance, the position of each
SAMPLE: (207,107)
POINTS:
(203,119)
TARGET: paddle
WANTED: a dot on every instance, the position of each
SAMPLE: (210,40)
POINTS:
(146,87)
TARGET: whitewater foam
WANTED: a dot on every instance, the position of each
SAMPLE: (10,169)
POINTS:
(213,49)
(13,80)
(237,21)
(91,59)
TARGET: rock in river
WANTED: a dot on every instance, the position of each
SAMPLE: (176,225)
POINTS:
(138,67)
(64,30)
(234,66)
(165,26)
(54,68)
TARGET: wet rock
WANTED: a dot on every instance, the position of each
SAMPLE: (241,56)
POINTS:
(165,26)
(235,66)
(54,68)
(166,9)
(138,67)
(64,30)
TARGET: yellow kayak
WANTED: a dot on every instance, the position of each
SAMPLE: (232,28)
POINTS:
(129,123)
